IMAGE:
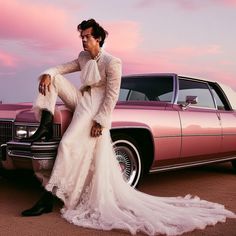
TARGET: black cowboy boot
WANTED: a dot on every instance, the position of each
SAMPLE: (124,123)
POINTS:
(44,205)
(45,129)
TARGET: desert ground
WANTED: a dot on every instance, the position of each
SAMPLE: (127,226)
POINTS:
(20,189)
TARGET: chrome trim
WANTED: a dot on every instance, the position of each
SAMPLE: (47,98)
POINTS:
(208,108)
(176,89)
(133,127)
(197,135)
(212,95)
(187,135)
(5,119)
(35,151)
(3,145)
(228,134)
(26,124)
(19,143)
(192,164)
(169,136)
(195,80)
(2,157)
(13,154)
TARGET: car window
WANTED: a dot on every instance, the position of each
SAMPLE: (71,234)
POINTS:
(195,88)
(148,88)
(220,100)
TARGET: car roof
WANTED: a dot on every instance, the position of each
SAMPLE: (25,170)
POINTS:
(149,75)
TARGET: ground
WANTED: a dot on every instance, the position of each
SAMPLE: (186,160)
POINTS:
(18,191)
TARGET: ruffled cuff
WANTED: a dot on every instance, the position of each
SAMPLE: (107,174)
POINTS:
(105,122)
(52,72)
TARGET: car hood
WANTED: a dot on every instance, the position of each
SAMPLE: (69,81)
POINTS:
(124,111)
(10,111)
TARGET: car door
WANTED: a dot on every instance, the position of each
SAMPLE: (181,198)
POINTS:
(228,118)
(200,122)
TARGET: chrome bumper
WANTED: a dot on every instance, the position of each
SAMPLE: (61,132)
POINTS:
(35,150)
(3,152)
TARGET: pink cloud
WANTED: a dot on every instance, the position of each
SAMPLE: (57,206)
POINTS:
(146,3)
(195,51)
(7,60)
(228,2)
(48,27)
(44,26)
(171,59)
(123,36)
(187,4)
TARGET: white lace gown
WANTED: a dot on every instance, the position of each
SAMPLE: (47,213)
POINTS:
(87,177)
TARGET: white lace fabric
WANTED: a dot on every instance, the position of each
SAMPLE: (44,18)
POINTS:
(87,176)
(105,201)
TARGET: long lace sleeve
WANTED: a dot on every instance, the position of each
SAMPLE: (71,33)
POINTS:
(65,68)
(103,117)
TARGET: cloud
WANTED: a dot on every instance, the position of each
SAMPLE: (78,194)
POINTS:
(195,51)
(146,3)
(44,26)
(227,2)
(187,4)
(170,58)
(123,36)
(7,60)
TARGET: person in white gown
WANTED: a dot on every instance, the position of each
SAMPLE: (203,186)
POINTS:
(86,175)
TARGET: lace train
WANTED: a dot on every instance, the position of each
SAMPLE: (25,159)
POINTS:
(107,202)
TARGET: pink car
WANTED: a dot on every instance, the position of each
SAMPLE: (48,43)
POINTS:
(161,122)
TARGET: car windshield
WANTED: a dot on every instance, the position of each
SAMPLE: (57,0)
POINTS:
(146,88)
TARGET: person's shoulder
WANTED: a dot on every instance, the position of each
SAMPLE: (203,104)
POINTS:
(110,58)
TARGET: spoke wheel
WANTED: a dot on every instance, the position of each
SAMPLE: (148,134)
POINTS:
(129,159)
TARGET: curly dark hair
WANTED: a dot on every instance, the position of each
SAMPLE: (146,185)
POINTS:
(97,30)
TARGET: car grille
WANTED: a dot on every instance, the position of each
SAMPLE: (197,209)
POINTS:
(6,131)
(56,131)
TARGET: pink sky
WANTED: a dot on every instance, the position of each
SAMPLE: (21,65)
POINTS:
(188,37)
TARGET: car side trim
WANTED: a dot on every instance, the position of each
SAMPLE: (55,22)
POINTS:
(191,164)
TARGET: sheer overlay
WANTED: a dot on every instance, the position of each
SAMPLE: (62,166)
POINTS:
(87,177)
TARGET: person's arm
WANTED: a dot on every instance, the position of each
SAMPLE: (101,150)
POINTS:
(65,68)
(111,94)
(45,79)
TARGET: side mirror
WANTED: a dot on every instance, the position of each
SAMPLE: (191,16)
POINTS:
(189,100)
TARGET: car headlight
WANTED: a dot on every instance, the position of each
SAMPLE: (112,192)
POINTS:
(22,131)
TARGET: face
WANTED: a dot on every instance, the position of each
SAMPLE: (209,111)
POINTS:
(89,42)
